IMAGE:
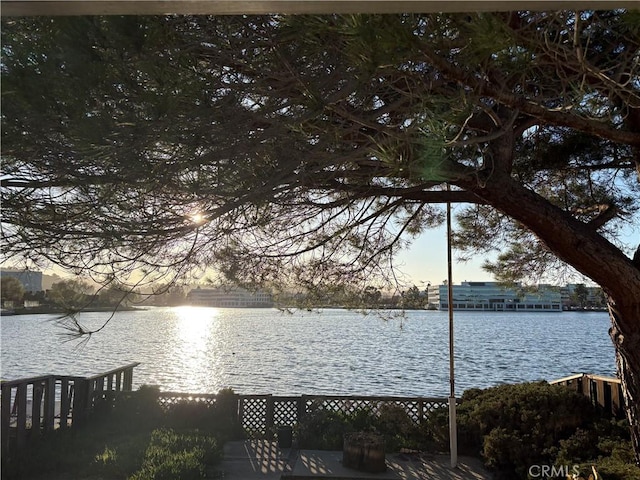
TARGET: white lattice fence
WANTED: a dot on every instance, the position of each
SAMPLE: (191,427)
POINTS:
(286,410)
(416,408)
(261,414)
(168,400)
(253,412)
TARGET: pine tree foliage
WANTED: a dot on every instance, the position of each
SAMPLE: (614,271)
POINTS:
(264,145)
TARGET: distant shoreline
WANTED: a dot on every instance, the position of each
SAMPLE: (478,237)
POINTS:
(62,311)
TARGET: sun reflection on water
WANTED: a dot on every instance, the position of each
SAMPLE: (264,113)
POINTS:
(194,324)
(192,347)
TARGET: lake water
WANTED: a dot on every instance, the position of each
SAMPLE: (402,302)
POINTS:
(259,351)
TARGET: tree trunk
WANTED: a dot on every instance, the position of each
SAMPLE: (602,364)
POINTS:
(594,256)
(583,247)
(627,344)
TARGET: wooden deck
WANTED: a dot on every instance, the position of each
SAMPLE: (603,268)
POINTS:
(260,459)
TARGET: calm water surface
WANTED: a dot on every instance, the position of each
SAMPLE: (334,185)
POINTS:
(255,351)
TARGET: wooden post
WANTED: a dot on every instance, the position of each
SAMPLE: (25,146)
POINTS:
(593,392)
(269,416)
(586,386)
(36,406)
(49,404)
(600,393)
(620,403)
(5,420)
(21,409)
(606,398)
(98,384)
(302,409)
(81,403)
(237,408)
(240,408)
(66,395)
(128,380)
(109,394)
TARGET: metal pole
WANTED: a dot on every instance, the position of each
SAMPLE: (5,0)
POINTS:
(453,433)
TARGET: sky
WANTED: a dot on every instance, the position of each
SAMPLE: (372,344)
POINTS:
(426,261)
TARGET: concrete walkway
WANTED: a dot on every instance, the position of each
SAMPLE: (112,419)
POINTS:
(264,460)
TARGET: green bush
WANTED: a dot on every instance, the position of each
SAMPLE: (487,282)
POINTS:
(120,456)
(140,408)
(397,428)
(220,417)
(605,444)
(433,432)
(190,415)
(322,429)
(325,429)
(515,426)
(161,465)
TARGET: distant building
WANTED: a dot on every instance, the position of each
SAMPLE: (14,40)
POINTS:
(594,297)
(31,280)
(229,297)
(495,297)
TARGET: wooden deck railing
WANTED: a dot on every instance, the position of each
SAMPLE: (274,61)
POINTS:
(31,407)
(604,392)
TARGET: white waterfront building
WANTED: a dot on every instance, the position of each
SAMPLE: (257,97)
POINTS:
(497,297)
(229,297)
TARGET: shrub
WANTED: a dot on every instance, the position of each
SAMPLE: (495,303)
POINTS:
(515,426)
(397,428)
(220,417)
(322,429)
(140,408)
(225,416)
(188,415)
(325,429)
(120,456)
(606,444)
